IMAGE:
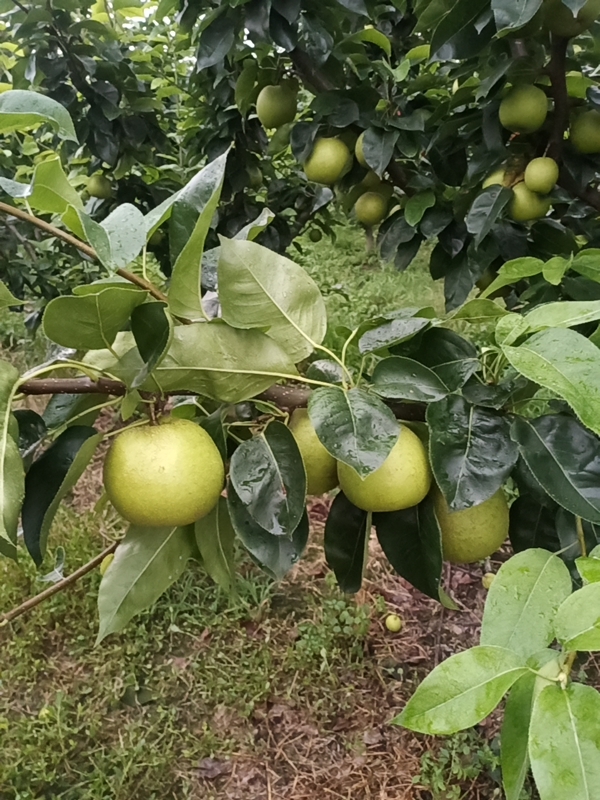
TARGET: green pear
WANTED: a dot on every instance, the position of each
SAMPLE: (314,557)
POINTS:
(359,151)
(474,533)
(524,109)
(276,105)
(402,481)
(527,205)
(320,465)
(371,209)
(541,175)
(585,132)
(561,21)
(164,475)
(315,235)
(328,161)
(99,186)
(496,178)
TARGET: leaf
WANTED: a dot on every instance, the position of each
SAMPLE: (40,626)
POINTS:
(346,542)
(577,623)
(417,205)
(49,480)
(522,602)
(566,363)
(452,357)
(492,395)
(564,743)
(358,6)
(7,299)
(12,478)
(513,271)
(470,449)
(323,369)
(398,378)
(191,218)
(369,34)
(480,311)
(65,409)
(152,329)
(215,42)
(412,542)
(21,110)
(511,14)
(146,563)
(125,228)
(564,458)
(275,554)
(14,188)
(564,314)
(554,270)
(392,333)
(354,426)
(532,525)
(92,321)
(461,691)
(461,16)
(378,148)
(589,568)
(215,539)
(514,738)
(261,289)
(486,208)
(51,190)
(267,473)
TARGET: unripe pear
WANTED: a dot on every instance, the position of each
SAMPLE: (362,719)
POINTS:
(393,623)
(585,132)
(320,465)
(276,105)
(328,161)
(359,151)
(474,533)
(562,22)
(402,481)
(371,208)
(255,176)
(315,235)
(164,475)
(498,177)
(527,205)
(541,175)
(524,109)
(99,186)
(487,580)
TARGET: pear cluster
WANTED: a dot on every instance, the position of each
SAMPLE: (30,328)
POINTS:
(530,200)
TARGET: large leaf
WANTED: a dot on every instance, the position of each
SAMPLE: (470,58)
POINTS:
(412,543)
(522,602)
(392,333)
(152,329)
(514,739)
(146,563)
(12,478)
(346,542)
(92,321)
(452,357)
(191,217)
(532,525)
(22,110)
(70,409)
(511,14)
(462,690)
(275,554)
(461,16)
(513,271)
(378,148)
(565,314)
(398,378)
(564,458)
(125,228)
(566,363)
(485,210)
(267,473)
(261,289)
(564,743)
(215,539)
(48,481)
(354,426)
(51,190)
(470,449)
(577,624)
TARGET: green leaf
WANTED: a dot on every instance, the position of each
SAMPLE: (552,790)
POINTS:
(323,369)
(554,270)
(391,333)
(564,743)
(146,563)
(566,363)
(564,458)
(564,314)
(275,554)
(486,209)
(215,539)
(412,542)
(462,691)
(12,478)
(587,263)
(470,449)
(267,473)
(214,426)
(215,42)
(125,228)
(522,602)
(91,322)
(354,426)
(370,35)
(51,190)
(358,6)
(452,357)
(346,542)
(261,289)
(460,17)
(514,738)
(14,188)
(63,409)
(511,14)
(378,148)
(417,205)
(589,567)
(398,378)
(480,311)
(48,481)
(152,329)
(513,271)
(577,624)
(22,110)
(7,298)
(191,218)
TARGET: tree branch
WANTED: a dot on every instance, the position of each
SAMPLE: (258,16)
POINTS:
(556,71)
(81,246)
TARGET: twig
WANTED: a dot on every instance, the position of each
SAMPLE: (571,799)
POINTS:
(556,70)
(581,536)
(81,246)
(57,587)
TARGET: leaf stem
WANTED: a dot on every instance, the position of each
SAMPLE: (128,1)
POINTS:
(581,536)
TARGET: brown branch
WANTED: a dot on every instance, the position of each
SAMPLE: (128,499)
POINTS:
(556,70)
(81,246)
(57,587)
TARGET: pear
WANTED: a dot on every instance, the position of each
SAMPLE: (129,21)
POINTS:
(585,132)
(562,22)
(527,205)
(320,465)
(474,533)
(524,109)
(276,105)
(328,161)
(371,208)
(541,175)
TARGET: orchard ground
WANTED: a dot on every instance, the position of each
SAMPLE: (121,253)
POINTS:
(286,694)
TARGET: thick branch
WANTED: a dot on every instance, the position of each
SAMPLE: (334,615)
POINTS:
(556,70)
(81,246)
